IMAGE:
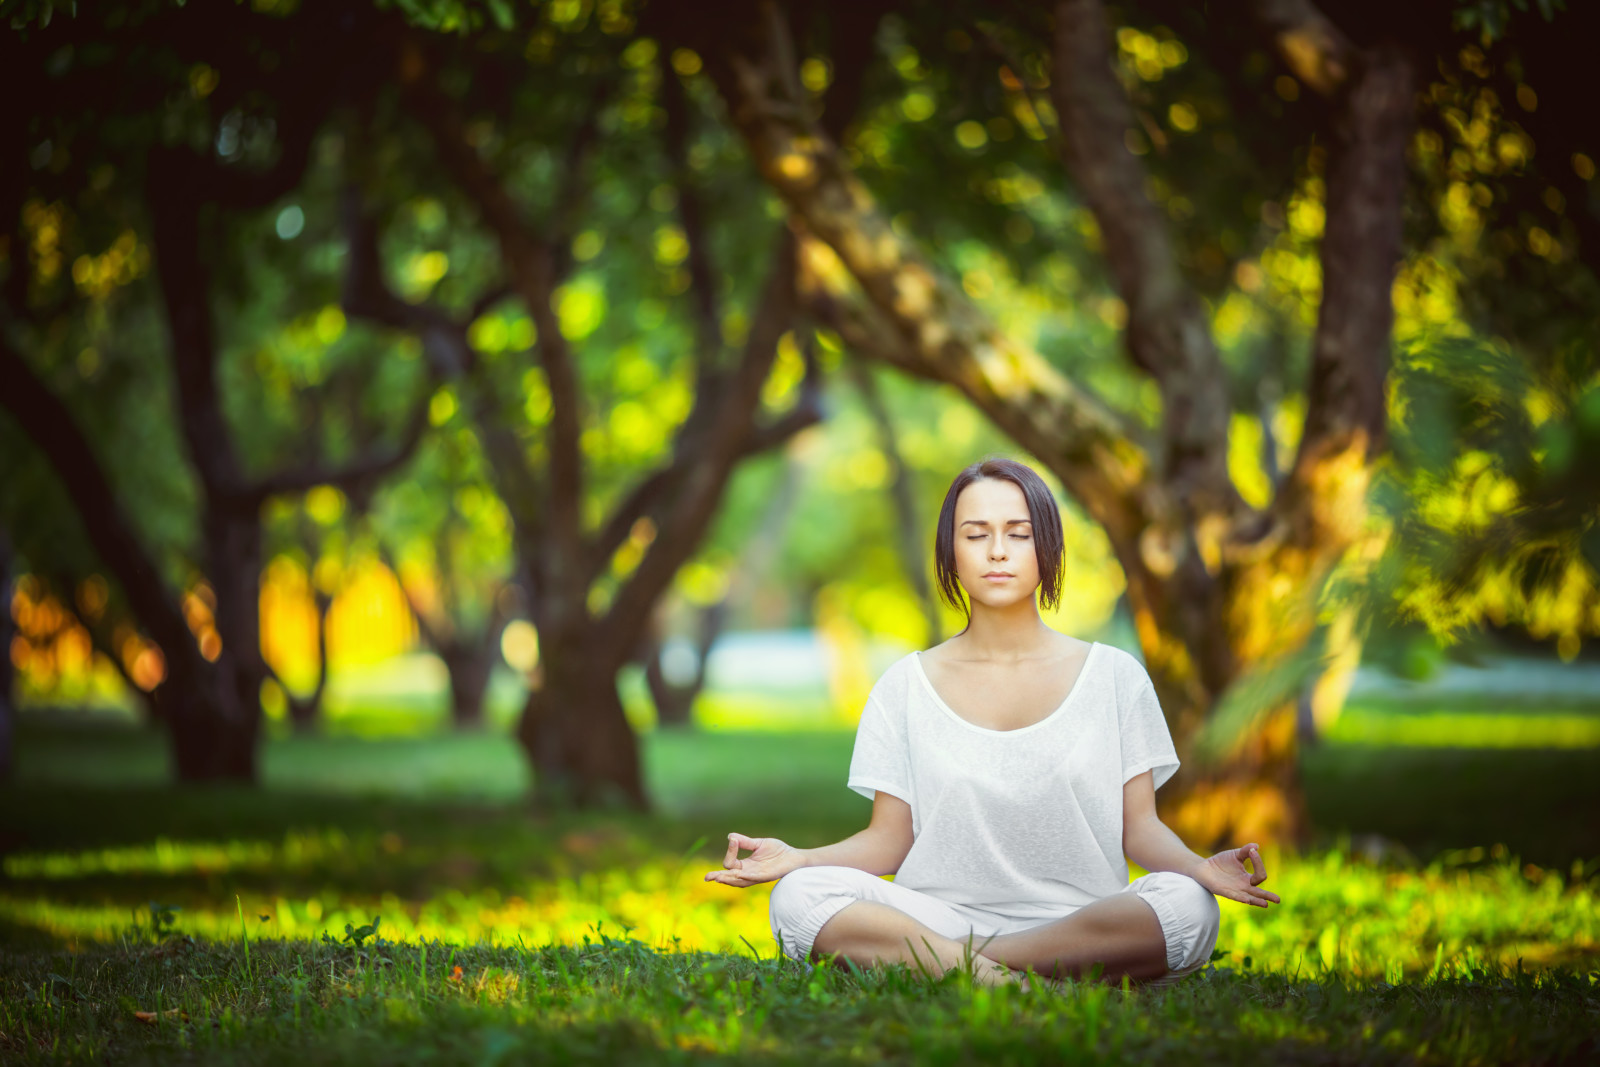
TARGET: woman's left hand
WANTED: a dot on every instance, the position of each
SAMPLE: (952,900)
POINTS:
(1226,875)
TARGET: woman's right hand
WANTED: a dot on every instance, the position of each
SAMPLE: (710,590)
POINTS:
(769,860)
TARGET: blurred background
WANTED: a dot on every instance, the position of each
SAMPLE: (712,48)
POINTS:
(453,449)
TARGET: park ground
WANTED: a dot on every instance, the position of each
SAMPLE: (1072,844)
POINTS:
(393,899)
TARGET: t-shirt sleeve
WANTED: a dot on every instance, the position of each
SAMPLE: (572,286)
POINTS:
(1146,741)
(881,761)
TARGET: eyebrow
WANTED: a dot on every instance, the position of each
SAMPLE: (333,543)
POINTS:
(1009,522)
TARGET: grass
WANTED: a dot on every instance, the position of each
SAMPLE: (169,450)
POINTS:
(591,937)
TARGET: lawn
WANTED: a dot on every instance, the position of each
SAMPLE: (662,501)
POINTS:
(1448,916)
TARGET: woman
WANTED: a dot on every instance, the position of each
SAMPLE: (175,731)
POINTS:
(1011,769)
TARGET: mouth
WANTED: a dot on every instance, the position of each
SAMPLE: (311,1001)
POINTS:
(998,576)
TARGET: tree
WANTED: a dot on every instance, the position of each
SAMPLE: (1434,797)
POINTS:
(267,112)
(1216,586)
(593,582)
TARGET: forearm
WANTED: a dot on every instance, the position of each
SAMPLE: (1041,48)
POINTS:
(1153,846)
(873,850)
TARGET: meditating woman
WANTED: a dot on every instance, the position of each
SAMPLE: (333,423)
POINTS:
(1012,772)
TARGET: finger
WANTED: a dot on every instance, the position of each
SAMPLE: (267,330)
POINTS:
(735,842)
(1246,855)
(1261,864)
(1262,897)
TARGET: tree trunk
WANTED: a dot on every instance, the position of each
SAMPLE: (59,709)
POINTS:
(305,713)
(469,667)
(234,544)
(575,733)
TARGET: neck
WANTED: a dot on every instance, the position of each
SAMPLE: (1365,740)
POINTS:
(1010,633)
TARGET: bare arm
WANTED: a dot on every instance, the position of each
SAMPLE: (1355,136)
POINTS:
(1148,841)
(879,849)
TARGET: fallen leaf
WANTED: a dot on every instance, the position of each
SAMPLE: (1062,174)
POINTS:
(155,1017)
(455,976)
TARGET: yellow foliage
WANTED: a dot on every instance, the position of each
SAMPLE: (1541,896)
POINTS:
(1244,460)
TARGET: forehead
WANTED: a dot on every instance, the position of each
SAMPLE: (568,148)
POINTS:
(992,499)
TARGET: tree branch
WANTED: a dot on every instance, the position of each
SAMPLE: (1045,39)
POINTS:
(719,448)
(368,295)
(1361,245)
(531,266)
(1168,335)
(46,420)
(651,494)
(185,290)
(702,278)
(355,474)
(572,187)
(939,329)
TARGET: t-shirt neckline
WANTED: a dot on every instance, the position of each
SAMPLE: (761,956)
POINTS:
(1077,684)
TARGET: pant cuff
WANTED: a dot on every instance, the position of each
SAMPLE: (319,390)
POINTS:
(798,940)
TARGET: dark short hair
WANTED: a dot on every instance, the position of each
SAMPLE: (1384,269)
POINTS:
(1048,543)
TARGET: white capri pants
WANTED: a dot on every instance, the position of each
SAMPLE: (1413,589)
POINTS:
(804,900)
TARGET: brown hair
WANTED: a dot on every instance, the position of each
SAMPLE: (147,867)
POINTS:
(1048,543)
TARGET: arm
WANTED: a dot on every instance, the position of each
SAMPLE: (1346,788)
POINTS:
(1147,841)
(879,849)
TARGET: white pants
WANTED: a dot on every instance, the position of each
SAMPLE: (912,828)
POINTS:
(802,902)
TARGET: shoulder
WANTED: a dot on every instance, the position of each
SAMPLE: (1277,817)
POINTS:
(897,684)
(1124,666)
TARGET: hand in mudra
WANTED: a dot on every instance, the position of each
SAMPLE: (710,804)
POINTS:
(1226,875)
(769,860)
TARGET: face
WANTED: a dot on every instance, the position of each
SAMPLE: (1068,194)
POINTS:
(995,559)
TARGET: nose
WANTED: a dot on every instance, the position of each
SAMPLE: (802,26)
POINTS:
(997,548)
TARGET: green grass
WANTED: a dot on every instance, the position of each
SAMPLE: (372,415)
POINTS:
(1475,937)
(615,1000)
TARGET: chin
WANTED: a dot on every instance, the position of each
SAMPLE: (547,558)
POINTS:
(1001,601)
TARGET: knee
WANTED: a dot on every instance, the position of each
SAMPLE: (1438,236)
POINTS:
(797,894)
(1197,912)
(1194,899)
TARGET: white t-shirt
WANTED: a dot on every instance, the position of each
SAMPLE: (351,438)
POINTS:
(1024,825)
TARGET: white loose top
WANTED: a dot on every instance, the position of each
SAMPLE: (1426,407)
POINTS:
(1025,825)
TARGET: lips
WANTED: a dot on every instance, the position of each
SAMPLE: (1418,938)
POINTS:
(998,576)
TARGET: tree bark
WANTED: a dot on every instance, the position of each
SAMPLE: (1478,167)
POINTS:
(576,735)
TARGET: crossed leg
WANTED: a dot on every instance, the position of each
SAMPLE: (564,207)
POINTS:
(869,934)
(1120,932)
